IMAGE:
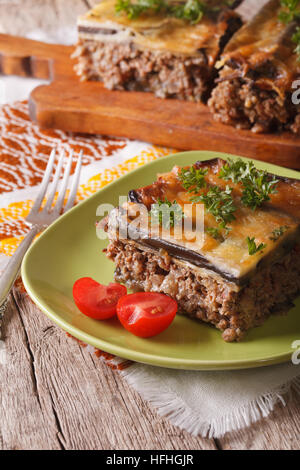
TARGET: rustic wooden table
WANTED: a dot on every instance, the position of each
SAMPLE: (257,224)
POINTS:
(54,394)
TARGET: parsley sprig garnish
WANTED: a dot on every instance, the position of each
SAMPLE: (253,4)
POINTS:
(191,11)
(278,232)
(289,11)
(161,215)
(257,184)
(234,170)
(220,204)
(193,179)
(252,247)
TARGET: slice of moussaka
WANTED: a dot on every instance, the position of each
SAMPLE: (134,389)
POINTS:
(169,49)
(259,68)
(227,250)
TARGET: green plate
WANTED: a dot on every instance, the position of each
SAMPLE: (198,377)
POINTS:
(69,249)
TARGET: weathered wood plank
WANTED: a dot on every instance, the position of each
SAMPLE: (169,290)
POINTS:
(91,405)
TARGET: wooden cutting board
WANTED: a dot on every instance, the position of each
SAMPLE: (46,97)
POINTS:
(87,107)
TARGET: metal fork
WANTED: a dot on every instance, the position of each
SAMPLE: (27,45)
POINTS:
(40,219)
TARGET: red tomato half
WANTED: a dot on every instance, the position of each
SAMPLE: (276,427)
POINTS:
(146,314)
(96,300)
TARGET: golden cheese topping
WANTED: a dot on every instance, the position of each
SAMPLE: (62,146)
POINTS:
(230,254)
(265,40)
(160,32)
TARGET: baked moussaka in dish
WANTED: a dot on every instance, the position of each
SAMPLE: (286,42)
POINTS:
(244,267)
(166,47)
(258,69)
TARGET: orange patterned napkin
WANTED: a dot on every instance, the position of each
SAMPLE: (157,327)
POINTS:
(24,152)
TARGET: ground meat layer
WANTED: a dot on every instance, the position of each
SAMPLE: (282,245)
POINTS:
(241,104)
(124,67)
(205,297)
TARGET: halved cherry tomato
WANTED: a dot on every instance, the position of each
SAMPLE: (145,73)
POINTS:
(96,300)
(146,314)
